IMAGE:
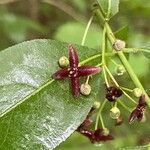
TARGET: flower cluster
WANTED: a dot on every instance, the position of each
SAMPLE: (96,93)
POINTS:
(74,72)
(137,113)
(97,135)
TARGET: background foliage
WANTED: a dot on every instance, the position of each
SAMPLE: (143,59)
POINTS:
(29,19)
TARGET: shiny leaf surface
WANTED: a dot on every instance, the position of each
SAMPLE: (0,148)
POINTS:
(37,112)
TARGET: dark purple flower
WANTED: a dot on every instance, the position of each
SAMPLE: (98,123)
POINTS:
(99,136)
(142,102)
(137,113)
(74,72)
(88,133)
(86,123)
(112,93)
(95,136)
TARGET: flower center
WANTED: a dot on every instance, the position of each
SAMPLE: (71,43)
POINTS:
(73,72)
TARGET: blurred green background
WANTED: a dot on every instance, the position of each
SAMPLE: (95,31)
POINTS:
(65,20)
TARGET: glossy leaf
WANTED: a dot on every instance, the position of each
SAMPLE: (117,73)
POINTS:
(37,112)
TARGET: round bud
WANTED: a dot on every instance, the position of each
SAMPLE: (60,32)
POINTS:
(137,92)
(114,113)
(120,70)
(96,104)
(119,45)
(105,131)
(85,89)
(63,62)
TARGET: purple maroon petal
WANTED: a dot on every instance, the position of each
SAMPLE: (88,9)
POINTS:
(98,136)
(88,70)
(73,57)
(60,74)
(75,85)
(87,122)
(134,115)
(88,133)
(142,102)
(140,116)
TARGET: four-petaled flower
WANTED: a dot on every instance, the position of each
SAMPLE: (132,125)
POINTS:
(74,72)
(137,113)
(93,135)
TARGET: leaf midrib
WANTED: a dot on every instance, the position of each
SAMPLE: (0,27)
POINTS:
(42,87)
(27,97)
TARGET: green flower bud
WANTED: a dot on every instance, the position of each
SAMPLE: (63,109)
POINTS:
(120,70)
(137,92)
(114,113)
(96,104)
(85,89)
(63,62)
(105,131)
(119,45)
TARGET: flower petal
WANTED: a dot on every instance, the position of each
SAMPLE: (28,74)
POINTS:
(73,57)
(88,70)
(134,115)
(75,85)
(98,136)
(142,102)
(60,74)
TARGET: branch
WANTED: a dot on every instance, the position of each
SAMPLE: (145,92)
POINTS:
(66,8)
(8,1)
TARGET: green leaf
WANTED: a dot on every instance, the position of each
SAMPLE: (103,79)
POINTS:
(114,9)
(122,33)
(37,112)
(73,32)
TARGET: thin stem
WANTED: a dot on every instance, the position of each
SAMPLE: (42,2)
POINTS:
(98,65)
(114,62)
(102,122)
(122,57)
(115,104)
(127,89)
(134,50)
(109,9)
(99,113)
(111,76)
(87,80)
(90,59)
(129,97)
(103,56)
(105,77)
(124,106)
(84,37)
(116,83)
(86,30)
(102,10)
(98,56)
